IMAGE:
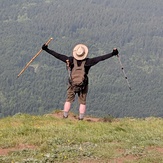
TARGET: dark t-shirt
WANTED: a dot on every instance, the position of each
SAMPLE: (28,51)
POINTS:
(89,61)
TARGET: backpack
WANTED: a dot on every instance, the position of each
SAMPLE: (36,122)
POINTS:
(78,78)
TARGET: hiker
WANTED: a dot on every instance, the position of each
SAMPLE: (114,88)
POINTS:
(77,61)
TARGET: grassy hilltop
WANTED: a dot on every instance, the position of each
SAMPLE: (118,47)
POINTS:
(49,138)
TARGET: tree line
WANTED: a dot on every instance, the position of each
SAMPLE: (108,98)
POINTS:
(134,27)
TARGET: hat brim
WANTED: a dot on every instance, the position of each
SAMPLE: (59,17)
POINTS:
(85,50)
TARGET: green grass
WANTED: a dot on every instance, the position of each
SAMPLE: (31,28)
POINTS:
(65,140)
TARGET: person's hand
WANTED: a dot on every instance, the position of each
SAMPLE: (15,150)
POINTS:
(44,47)
(115,51)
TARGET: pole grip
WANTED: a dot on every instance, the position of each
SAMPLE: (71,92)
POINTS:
(49,41)
(34,57)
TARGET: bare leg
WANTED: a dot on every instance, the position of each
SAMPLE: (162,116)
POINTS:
(82,109)
(67,107)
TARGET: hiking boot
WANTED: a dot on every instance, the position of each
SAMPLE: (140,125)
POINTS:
(80,119)
(65,117)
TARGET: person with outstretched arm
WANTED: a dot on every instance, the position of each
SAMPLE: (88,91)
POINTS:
(79,55)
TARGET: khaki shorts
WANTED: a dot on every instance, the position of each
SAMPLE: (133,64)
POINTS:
(81,96)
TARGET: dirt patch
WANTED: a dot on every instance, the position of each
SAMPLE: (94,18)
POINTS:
(59,114)
(160,150)
(157,149)
(5,151)
(130,157)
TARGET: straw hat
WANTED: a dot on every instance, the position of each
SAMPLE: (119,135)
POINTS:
(80,52)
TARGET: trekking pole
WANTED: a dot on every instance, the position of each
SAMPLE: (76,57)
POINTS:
(33,58)
(123,71)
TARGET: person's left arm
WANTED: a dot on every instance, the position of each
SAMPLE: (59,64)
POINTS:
(95,60)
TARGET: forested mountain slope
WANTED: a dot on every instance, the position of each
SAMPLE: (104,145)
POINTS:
(134,27)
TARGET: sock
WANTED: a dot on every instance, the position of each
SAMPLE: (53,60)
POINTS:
(65,114)
(81,116)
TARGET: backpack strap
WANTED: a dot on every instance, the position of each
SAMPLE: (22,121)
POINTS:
(68,68)
(76,64)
